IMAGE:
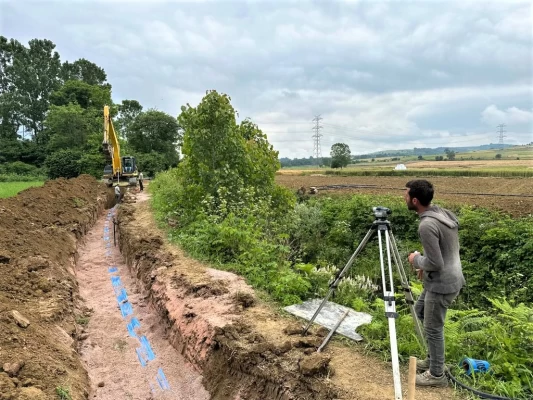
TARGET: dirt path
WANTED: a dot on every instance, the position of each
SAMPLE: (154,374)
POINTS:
(126,352)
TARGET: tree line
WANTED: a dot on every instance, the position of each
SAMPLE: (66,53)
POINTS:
(51,116)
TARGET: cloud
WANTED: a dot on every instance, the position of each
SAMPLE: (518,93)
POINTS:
(512,116)
(387,74)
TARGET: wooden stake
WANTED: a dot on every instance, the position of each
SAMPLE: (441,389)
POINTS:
(412,379)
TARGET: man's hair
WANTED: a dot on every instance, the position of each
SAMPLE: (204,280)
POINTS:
(421,190)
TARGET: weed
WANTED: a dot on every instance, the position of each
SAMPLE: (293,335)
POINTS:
(63,393)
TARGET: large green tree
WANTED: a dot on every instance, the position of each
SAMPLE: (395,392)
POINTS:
(155,131)
(228,163)
(81,93)
(83,70)
(128,111)
(340,155)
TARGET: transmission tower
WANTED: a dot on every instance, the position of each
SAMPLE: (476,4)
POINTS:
(317,151)
(501,133)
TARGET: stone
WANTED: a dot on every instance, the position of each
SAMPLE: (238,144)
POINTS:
(12,369)
(101,384)
(20,320)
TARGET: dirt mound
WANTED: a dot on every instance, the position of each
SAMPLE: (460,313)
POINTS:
(39,319)
(244,347)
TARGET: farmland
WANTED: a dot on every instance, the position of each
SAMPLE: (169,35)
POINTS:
(512,195)
(8,189)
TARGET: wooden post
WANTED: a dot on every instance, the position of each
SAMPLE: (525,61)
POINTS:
(412,379)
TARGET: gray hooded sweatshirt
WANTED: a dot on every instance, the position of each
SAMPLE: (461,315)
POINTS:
(438,231)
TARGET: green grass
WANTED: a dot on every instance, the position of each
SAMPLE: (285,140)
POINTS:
(8,189)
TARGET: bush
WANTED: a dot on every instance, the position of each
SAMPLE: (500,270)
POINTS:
(63,163)
(19,168)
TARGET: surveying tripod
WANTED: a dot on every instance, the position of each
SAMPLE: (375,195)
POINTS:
(382,226)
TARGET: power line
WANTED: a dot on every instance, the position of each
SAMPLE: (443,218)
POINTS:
(501,133)
(316,140)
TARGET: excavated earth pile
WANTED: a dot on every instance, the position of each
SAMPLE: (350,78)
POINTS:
(40,317)
(243,347)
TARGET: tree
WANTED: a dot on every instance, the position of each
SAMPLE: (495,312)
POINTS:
(33,75)
(128,111)
(420,157)
(499,156)
(63,163)
(83,70)
(67,127)
(155,131)
(340,154)
(450,154)
(81,93)
(232,165)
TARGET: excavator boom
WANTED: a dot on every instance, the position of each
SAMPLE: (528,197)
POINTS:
(123,169)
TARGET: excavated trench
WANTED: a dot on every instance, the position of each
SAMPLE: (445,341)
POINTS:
(81,317)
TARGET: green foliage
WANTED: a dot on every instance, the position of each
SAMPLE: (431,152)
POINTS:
(19,168)
(63,393)
(83,70)
(497,255)
(128,111)
(68,127)
(11,188)
(152,132)
(151,163)
(63,163)
(503,334)
(340,155)
(83,94)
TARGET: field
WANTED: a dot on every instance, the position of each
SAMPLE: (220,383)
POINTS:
(513,195)
(8,189)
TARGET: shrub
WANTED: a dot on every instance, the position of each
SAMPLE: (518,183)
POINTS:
(63,163)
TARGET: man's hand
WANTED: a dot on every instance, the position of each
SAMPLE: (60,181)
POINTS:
(412,257)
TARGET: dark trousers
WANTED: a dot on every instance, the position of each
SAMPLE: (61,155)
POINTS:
(141,185)
(431,309)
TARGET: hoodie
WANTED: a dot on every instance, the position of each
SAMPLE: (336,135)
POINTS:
(438,232)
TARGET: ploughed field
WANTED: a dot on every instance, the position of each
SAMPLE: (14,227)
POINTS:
(512,195)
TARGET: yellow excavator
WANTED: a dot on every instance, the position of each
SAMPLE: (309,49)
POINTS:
(123,169)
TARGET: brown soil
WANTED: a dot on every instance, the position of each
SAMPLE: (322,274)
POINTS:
(245,348)
(494,193)
(39,229)
(108,350)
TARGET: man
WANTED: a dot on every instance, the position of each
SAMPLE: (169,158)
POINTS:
(440,268)
(141,181)
(117,194)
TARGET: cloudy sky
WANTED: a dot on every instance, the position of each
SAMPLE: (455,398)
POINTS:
(382,74)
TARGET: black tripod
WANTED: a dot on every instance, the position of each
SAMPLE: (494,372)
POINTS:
(382,226)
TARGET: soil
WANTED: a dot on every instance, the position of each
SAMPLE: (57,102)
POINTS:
(108,350)
(39,229)
(510,195)
(245,347)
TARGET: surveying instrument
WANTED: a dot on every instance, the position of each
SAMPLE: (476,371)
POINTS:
(383,227)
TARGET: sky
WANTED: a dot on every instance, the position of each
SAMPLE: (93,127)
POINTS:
(381,74)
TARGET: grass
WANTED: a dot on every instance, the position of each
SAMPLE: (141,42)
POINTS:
(8,189)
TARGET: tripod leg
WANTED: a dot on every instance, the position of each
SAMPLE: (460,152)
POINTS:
(409,297)
(390,311)
(339,277)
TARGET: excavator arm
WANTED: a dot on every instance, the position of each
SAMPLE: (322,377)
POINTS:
(110,145)
(123,169)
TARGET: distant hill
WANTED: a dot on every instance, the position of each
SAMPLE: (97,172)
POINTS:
(421,151)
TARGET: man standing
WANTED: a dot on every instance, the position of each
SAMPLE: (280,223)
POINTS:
(141,177)
(117,194)
(440,268)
